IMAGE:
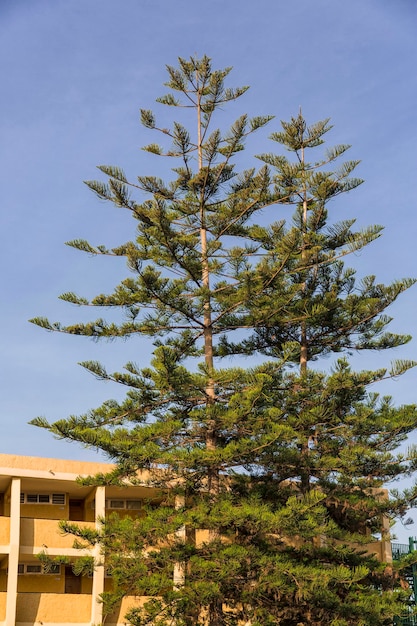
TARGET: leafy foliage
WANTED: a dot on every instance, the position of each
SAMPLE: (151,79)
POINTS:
(271,476)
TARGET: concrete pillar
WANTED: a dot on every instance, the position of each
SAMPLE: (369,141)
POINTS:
(386,548)
(11,600)
(98,575)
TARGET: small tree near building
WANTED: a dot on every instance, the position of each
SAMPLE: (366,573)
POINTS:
(281,464)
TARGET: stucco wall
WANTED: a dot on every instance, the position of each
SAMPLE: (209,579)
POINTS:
(6,502)
(52,465)
(44,511)
(117,616)
(4,530)
(3,578)
(35,608)
(2,606)
(46,533)
(43,583)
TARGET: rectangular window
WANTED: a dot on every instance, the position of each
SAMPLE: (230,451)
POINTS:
(132,505)
(32,498)
(37,568)
(58,498)
(117,504)
(42,498)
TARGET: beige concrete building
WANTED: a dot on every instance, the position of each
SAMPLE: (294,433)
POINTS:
(35,493)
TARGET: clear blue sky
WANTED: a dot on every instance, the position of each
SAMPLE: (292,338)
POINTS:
(73,76)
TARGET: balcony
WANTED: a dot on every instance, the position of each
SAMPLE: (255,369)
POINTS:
(4,531)
(3,595)
(46,534)
(117,618)
(55,608)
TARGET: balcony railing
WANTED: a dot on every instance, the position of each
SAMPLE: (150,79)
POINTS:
(4,530)
(46,533)
(58,608)
(399,550)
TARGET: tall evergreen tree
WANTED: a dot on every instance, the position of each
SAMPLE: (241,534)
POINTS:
(272,474)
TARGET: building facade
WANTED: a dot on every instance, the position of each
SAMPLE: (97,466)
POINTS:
(35,493)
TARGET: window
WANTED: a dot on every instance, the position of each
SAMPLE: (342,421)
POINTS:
(42,498)
(116,504)
(132,505)
(38,568)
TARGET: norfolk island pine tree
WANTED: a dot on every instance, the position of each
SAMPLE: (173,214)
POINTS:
(283,465)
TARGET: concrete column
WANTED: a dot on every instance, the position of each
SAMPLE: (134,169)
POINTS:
(11,600)
(98,576)
(386,547)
